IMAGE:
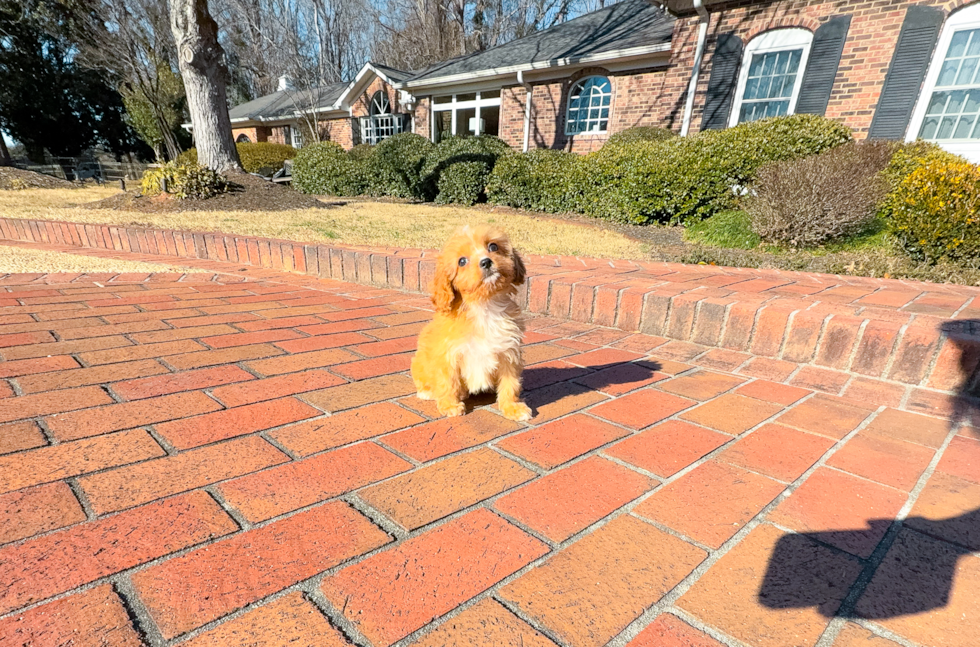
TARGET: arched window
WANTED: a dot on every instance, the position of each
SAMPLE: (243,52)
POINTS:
(380,104)
(243,139)
(380,124)
(948,110)
(588,106)
(769,81)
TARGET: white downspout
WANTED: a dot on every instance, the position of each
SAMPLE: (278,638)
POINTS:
(692,87)
(527,107)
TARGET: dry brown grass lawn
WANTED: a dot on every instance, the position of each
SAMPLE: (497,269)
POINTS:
(355,223)
(16,260)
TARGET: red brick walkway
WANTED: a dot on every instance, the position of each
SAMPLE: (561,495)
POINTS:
(237,459)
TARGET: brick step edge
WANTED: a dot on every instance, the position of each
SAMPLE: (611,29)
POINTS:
(897,346)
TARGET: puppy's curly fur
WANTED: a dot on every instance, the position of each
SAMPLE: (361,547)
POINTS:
(474,342)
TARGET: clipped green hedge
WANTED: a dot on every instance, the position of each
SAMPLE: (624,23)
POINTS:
(640,134)
(396,167)
(470,152)
(264,158)
(537,180)
(686,179)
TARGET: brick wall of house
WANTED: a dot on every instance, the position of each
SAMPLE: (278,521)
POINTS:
(864,62)
(511,130)
(640,98)
(257,134)
(340,131)
(421,117)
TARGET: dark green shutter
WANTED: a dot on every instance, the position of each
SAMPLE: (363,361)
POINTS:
(821,68)
(722,82)
(916,41)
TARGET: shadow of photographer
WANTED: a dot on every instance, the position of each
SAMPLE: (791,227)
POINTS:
(917,573)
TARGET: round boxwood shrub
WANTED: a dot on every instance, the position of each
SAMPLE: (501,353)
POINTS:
(640,134)
(935,213)
(537,180)
(484,150)
(361,151)
(396,167)
(462,183)
(314,167)
(263,158)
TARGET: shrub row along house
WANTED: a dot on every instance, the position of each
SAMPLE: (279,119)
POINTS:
(888,69)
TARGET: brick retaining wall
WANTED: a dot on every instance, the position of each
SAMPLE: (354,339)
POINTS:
(876,328)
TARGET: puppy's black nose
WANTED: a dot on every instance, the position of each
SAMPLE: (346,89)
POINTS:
(486,263)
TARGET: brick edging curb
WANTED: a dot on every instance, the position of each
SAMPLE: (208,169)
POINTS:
(823,320)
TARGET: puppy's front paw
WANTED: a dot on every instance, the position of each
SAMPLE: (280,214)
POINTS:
(516,411)
(451,410)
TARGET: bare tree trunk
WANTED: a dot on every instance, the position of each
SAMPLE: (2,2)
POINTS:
(202,67)
(4,153)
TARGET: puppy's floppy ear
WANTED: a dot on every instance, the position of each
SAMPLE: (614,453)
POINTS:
(520,272)
(444,295)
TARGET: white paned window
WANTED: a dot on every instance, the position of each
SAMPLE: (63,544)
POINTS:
(771,73)
(380,124)
(297,137)
(465,114)
(588,106)
(948,110)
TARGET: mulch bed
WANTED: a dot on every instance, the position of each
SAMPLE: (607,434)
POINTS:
(248,193)
(13,179)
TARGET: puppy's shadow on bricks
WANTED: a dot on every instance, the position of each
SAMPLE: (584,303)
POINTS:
(544,385)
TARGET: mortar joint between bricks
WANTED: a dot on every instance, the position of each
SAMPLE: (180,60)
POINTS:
(376,517)
(335,616)
(83,500)
(138,614)
(858,338)
(230,510)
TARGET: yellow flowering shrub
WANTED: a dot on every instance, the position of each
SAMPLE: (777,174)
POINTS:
(185,180)
(935,212)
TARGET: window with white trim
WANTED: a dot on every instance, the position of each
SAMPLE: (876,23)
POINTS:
(948,110)
(380,124)
(589,101)
(771,74)
(465,114)
(297,137)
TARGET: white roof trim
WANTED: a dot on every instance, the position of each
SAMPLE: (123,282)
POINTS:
(342,100)
(631,52)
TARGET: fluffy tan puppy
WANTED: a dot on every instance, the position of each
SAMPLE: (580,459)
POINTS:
(474,342)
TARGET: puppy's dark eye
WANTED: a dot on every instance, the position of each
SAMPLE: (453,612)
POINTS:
(492,247)
(463,261)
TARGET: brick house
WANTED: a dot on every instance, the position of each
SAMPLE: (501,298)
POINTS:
(886,68)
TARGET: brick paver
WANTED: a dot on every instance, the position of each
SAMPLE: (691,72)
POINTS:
(237,458)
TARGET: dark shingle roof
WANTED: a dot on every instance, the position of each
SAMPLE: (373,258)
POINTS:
(283,103)
(631,23)
(395,75)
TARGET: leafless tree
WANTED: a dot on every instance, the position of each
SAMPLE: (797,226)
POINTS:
(417,33)
(202,66)
(312,43)
(136,46)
